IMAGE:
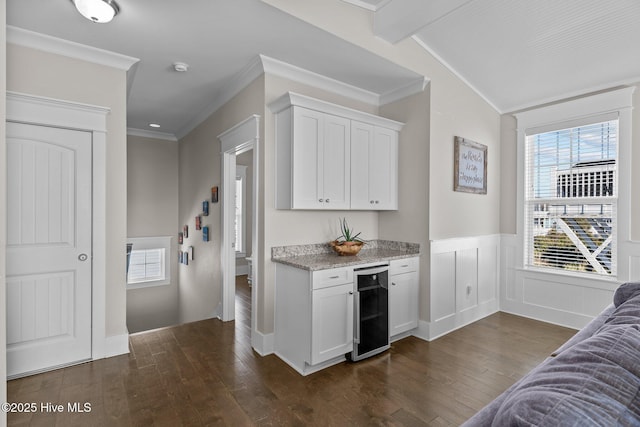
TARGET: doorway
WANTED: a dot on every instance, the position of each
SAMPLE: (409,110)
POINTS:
(241,138)
(56,233)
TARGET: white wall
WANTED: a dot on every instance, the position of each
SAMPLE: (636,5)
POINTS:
(152,211)
(39,73)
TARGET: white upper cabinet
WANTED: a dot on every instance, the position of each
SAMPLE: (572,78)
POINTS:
(333,157)
(320,166)
(374,167)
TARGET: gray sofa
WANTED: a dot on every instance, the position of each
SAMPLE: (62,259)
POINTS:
(591,380)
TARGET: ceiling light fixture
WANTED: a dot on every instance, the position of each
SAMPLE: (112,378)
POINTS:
(180,67)
(100,11)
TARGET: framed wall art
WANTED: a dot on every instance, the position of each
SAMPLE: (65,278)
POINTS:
(470,166)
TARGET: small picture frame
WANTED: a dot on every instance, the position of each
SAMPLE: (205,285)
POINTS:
(198,222)
(205,208)
(205,233)
(180,238)
(214,194)
(470,166)
(185,258)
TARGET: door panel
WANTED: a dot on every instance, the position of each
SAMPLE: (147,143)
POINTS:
(49,232)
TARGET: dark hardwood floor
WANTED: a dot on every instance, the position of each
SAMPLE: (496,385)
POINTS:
(205,373)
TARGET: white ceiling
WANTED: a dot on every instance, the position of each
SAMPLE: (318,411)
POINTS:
(522,53)
(514,53)
(217,38)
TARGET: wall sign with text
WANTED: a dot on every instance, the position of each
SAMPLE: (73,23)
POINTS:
(470,166)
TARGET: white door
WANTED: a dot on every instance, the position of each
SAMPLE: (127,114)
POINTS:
(48,247)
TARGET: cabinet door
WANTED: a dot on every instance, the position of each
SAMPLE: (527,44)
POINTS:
(383,169)
(403,302)
(361,137)
(374,167)
(332,323)
(336,164)
(308,134)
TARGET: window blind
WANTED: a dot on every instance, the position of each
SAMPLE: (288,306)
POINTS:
(571,198)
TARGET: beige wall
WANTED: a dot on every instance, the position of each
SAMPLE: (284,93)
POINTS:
(44,74)
(152,211)
(3,209)
(410,223)
(200,169)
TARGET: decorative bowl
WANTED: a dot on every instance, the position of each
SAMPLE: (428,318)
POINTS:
(346,248)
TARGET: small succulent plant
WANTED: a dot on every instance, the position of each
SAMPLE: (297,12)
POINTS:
(347,233)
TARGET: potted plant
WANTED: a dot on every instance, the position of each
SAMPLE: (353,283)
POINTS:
(348,243)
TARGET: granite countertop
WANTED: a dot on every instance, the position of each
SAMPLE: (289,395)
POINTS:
(321,257)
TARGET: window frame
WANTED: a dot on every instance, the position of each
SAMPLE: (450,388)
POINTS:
(146,243)
(571,114)
(241,172)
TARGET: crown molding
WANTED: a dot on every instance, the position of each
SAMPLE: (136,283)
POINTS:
(367,6)
(239,81)
(152,134)
(301,75)
(31,39)
(412,88)
(263,64)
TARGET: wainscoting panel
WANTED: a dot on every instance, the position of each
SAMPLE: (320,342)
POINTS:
(464,283)
(565,299)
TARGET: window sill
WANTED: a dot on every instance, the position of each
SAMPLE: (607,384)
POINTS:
(575,278)
(142,285)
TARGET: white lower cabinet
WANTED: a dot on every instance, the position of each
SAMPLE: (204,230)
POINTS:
(314,312)
(313,317)
(331,322)
(403,295)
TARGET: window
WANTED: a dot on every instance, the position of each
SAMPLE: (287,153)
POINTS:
(148,265)
(571,198)
(241,210)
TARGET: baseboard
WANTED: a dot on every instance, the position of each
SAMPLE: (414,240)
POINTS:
(263,344)
(116,345)
(429,331)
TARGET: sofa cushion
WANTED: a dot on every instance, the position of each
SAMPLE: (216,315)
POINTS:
(596,382)
(626,291)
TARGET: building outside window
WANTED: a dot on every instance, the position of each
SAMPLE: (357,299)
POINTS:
(571,198)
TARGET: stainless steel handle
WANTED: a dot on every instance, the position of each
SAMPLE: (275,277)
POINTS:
(83,257)
(336,277)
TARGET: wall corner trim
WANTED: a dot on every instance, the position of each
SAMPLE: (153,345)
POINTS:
(116,345)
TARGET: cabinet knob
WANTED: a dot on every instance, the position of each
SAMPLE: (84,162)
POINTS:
(393,284)
(320,200)
(326,200)
(377,202)
(372,202)
(350,292)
